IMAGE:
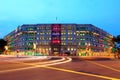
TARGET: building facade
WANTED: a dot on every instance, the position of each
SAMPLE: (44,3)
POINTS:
(59,38)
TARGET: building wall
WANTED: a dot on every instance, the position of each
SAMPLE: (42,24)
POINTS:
(68,38)
(74,38)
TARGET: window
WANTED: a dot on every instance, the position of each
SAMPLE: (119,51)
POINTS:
(41,27)
(68,49)
(82,39)
(41,38)
(69,32)
(31,28)
(82,28)
(63,43)
(38,33)
(70,27)
(69,43)
(70,38)
(82,43)
(72,49)
(30,39)
(55,49)
(48,27)
(63,27)
(63,32)
(37,28)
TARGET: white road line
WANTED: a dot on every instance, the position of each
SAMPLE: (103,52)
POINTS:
(34,66)
(51,61)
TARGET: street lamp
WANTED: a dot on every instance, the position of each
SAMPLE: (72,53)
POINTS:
(6,49)
(110,50)
(34,47)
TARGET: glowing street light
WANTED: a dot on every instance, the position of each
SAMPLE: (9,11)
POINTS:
(34,46)
(6,49)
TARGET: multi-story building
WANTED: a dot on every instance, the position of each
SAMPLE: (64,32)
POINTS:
(59,38)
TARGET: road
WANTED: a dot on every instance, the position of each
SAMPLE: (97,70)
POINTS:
(62,68)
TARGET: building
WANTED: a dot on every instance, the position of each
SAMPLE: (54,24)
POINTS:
(59,38)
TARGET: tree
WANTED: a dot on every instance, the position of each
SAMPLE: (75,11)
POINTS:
(116,40)
(3,43)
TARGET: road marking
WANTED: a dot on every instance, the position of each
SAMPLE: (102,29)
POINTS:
(82,73)
(69,59)
(104,66)
(65,70)
(51,61)
(19,62)
(33,65)
(11,70)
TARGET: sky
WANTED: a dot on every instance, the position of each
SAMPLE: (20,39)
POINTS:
(104,14)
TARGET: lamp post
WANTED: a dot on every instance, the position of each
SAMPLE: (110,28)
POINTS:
(34,47)
(88,49)
(110,50)
(6,49)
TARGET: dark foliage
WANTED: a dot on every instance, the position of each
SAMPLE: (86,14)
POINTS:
(118,39)
(3,43)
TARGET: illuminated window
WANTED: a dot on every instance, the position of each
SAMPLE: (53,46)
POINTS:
(41,38)
(82,43)
(48,27)
(69,38)
(82,39)
(68,49)
(30,39)
(72,49)
(83,34)
(86,43)
(69,43)
(64,38)
(47,43)
(63,28)
(30,28)
(69,32)
(70,27)
(63,32)
(37,27)
(63,43)
(56,41)
(49,48)
(38,33)
(55,49)
(74,33)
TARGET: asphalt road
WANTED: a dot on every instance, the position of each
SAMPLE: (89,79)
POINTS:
(77,69)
